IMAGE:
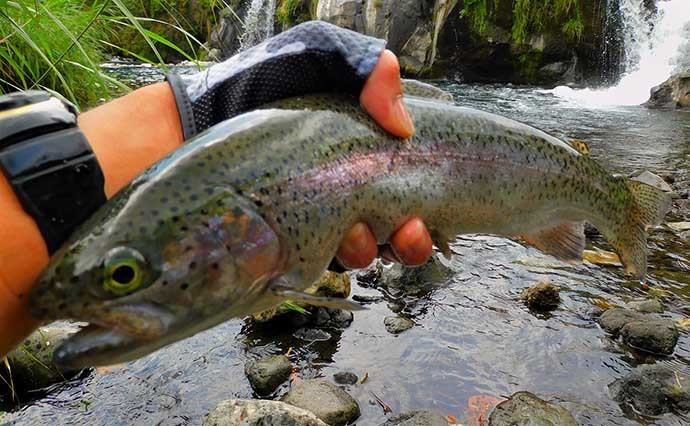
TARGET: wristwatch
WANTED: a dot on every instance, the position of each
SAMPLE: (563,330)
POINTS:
(49,163)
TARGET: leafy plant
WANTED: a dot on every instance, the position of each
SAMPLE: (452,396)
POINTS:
(293,12)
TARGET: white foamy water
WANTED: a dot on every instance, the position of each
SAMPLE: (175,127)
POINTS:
(654,49)
(258,23)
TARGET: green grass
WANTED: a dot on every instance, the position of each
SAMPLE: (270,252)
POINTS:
(529,17)
(292,12)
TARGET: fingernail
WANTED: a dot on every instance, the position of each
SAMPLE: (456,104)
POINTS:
(402,115)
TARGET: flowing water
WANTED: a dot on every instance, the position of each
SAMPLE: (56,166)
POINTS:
(655,46)
(258,23)
(472,335)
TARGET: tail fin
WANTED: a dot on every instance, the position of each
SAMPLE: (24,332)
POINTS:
(648,208)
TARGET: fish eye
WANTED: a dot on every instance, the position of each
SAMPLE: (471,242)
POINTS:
(123,270)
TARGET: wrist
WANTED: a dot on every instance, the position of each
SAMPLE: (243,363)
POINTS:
(131,133)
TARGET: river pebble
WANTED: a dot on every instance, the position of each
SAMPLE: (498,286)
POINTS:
(653,390)
(329,402)
(526,409)
(417,418)
(614,319)
(396,325)
(266,374)
(254,412)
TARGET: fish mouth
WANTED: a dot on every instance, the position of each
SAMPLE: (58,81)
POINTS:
(119,334)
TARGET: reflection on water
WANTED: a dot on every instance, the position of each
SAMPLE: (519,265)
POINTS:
(472,335)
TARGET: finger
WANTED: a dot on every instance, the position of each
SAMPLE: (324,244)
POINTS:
(412,243)
(382,97)
(358,248)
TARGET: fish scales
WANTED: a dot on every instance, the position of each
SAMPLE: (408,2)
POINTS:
(251,212)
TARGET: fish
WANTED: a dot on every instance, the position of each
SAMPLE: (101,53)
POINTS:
(251,212)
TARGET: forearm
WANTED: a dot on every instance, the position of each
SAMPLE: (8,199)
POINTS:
(127,135)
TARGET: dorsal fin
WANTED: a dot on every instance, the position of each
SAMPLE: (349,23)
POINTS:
(565,241)
(580,146)
(418,89)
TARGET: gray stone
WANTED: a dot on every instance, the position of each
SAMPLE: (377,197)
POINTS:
(329,402)
(673,93)
(542,297)
(656,181)
(526,409)
(651,335)
(647,306)
(395,325)
(345,378)
(653,390)
(312,334)
(32,361)
(417,418)
(245,412)
(266,374)
(614,319)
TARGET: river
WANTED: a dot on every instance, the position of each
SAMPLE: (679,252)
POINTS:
(472,335)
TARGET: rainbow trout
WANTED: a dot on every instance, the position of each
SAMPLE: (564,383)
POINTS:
(252,211)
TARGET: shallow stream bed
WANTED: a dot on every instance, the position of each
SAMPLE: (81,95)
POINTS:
(472,336)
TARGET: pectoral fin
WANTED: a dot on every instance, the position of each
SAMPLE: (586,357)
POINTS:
(565,241)
(442,243)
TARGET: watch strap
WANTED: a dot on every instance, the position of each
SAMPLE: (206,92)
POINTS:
(49,163)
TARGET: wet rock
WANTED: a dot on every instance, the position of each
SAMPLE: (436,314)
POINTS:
(259,413)
(345,378)
(614,319)
(542,297)
(331,284)
(656,181)
(32,361)
(679,226)
(647,306)
(329,402)
(418,280)
(651,335)
(653,390)
(336,318)
(673,93)
(396,325)
(266,374)
(417,418)
(526,409)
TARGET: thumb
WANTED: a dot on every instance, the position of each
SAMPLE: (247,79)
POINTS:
(381,97)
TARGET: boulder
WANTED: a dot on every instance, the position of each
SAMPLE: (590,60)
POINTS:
(345,378)
(526,409)
(652,335)
(653,390)
(329,402)
(259,413)
(647,306)
(673,93)
(417,418)
(267,373)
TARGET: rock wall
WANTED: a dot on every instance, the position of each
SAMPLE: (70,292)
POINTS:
(674,93)
(412,27)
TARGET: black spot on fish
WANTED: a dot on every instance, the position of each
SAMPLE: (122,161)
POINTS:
(184,286)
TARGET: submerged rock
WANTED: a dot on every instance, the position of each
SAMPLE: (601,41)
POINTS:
(647,306)
(542,297)
(345,378)
(395,325)
(526,409)
(651,335)
(329,402)
(653,390)
(31,362)
(245,412)
(417,418)
(266,374)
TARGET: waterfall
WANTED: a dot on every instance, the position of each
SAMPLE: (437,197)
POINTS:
(258,23)
(655,46)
